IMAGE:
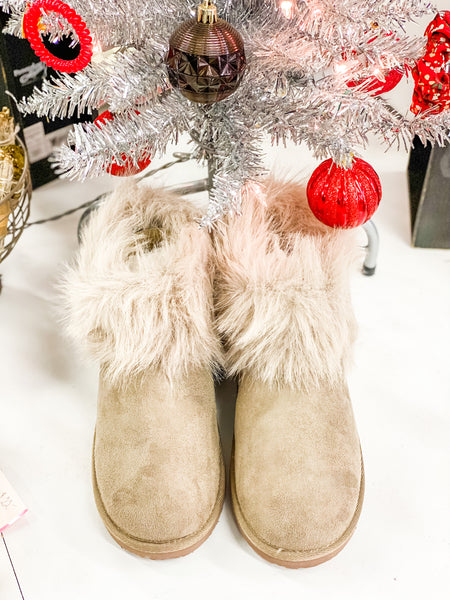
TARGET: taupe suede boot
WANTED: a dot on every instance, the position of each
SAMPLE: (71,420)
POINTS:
(140,300)
(284,313)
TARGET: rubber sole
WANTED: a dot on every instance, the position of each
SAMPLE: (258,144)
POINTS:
(297,560)
(161,550)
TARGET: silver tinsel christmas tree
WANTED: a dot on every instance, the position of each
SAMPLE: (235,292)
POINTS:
(308,76)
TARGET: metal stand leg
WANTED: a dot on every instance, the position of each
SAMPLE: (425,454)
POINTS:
(192,187)
(373,244)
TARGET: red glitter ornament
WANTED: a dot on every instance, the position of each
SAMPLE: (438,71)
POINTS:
(342,197)
(33,29)
(129,167)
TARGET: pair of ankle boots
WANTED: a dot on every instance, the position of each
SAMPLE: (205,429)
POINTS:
(162,304)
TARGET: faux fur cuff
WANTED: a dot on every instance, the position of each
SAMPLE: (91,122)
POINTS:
(139,294)
(282,292)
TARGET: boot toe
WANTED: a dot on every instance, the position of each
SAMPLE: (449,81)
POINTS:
(298,477)
(160,509)
(303,519)
(158,471)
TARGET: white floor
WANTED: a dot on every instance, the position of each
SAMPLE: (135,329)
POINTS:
(401,392)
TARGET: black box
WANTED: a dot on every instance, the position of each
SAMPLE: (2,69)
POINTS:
(21,71)
(429,193)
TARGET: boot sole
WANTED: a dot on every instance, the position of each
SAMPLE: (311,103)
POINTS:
(161,550)
(300,560)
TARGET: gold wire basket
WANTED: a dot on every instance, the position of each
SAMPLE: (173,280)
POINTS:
(16,208)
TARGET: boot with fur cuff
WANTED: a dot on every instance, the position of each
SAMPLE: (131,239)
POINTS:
(283,311)
(140,302)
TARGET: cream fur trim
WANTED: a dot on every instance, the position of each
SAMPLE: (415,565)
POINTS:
(282,292)
(133,309)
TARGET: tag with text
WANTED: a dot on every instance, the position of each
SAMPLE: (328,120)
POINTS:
(11,506)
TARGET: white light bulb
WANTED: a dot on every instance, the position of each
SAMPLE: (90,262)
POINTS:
(341,67)
(287,8)
(96,47)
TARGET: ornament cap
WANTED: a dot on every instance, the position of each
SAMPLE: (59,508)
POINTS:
(7,126)
(207,12)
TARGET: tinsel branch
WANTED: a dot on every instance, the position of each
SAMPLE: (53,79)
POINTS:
(434,129)
(330,19)
(115,22)
(283,52)
(131,77)
(10,6)
(14,24)
(295,87)
(129,134)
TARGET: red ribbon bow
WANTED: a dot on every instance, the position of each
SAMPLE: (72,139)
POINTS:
(431,73)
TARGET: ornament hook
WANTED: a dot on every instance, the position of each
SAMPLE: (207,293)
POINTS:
(207,12)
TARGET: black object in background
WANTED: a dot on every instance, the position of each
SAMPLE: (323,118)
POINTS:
(21,71)
(429,194)
(62,49)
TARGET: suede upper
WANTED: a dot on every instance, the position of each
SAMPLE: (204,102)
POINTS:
(157,456)
(297,465)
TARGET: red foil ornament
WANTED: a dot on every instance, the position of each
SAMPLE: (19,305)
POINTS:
(342,197)
(376,86)
(129,167)
(32,30)
(373,84)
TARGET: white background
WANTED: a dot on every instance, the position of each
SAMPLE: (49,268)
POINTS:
(400,388)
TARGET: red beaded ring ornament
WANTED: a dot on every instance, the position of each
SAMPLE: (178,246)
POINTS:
(129,167)
(32,30)
(342,197)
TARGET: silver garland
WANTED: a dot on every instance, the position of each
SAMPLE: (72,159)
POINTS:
(131,75)
(294,88)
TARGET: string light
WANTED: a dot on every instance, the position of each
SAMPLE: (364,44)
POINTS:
(287,7)
(343,67)
(96,47)
(100,54)
(377,73)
